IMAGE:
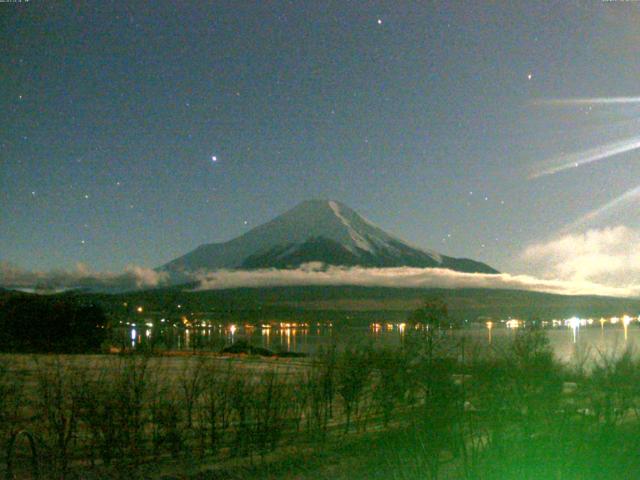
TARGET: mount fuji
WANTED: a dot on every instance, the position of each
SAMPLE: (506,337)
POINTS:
(316,231)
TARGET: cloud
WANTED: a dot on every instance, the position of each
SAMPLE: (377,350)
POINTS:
(598,262)
(608,256)
(316,274)
(133,277)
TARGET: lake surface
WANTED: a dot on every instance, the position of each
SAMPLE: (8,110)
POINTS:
(569,344)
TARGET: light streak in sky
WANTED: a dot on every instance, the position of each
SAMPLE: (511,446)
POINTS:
(595,154)
(626,197)
(559,102)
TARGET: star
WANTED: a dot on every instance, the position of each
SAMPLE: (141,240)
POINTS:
(379,21)
(214,159)
(529,76)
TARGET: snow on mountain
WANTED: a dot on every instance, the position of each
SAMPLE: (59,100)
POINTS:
(316,231)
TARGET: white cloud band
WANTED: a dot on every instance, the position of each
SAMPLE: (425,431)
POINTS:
(400,277)
(133,277)
(607,256)
(599,262)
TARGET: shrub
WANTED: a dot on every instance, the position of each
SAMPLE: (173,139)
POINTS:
(43,324)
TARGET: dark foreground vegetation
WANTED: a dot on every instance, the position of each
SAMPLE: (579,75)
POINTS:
(50,324)
(434,408)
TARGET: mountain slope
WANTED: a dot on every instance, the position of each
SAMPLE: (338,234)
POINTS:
(317,231)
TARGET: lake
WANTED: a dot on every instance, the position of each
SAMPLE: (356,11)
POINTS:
(567,343)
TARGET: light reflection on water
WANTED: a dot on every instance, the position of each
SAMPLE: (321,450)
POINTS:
(566,341)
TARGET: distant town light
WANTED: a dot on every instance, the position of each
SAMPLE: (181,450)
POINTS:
(513,323)
(139,309)
(574,323)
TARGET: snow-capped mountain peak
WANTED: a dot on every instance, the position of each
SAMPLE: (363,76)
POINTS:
(320,231)
(355,236)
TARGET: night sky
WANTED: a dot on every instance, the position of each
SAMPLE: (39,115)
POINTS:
(132,132)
